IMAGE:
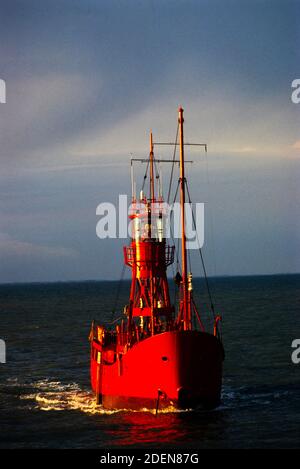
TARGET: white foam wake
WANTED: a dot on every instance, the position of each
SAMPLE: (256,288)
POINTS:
(56,396)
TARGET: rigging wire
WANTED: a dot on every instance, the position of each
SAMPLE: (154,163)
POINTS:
(173,164)
(117,295)
(212,307)
(145,175)
(189,251)
(157,174)
(210,217)
(178,270)
(171,231)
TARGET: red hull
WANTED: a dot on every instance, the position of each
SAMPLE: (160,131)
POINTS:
(180,368)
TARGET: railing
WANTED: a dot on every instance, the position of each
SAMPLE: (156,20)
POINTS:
(150,253)
(169,255)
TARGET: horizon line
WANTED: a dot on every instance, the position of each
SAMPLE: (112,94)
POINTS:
(37,282)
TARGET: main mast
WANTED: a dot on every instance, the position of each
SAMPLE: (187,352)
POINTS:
(186,310)
(152,195)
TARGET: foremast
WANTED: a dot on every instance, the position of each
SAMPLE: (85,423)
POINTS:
(148,256)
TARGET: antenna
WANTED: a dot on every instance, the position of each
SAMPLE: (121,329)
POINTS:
(133,194)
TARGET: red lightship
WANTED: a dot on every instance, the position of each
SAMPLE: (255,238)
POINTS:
(155,356)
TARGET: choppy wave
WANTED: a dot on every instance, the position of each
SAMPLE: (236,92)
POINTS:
(244,397)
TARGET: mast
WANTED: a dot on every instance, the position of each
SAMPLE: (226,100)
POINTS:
(150,227)
(185,295)
(151,169)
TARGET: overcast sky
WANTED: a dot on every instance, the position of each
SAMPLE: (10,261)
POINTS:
(86,81)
